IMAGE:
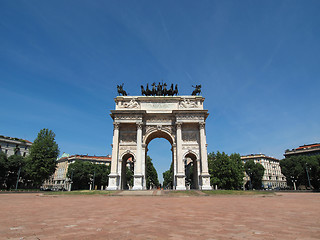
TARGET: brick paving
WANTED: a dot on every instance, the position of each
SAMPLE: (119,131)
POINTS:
(37,216)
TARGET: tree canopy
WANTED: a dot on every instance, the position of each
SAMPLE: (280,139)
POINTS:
(226,172)
(151,174)
(3,168)
(82,174)
(255,172)
(168,178)
(41,162)
(298,168)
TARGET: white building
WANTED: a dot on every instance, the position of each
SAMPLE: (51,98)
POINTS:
(59,180)
(272,178)
(14,146)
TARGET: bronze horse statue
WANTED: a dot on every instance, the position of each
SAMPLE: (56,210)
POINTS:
(197,90)
(121,91)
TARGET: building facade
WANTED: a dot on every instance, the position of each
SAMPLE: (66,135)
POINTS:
(14,146)
(272,178)
(304,150)
(59,180)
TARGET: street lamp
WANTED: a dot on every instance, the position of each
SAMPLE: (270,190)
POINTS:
(294,182)
(308,175)
(18,178)
(250,174)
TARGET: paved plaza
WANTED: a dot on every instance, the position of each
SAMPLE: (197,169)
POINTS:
(280,216)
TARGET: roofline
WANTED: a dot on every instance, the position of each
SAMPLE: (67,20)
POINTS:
(260,155)
(14,140)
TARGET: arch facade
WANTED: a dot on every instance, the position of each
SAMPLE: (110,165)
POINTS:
(139,119)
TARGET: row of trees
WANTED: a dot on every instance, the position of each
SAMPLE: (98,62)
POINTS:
(302,171)
(34,169)
(83,174)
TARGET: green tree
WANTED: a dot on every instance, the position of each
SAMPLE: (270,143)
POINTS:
(41,162)
(81,174)
(151,174)
(3,168)
(14,166)
(101,173)
(226,172)
(255,172)
(168,178)
(313,168)
(297,168)
(129,177)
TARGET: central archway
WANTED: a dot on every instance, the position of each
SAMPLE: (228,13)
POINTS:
(180,120)
(159,144)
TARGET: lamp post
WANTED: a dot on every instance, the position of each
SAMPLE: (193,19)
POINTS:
(18,178)
(94,175)
(308,175)
(294,183)
(70,182)
(250,174)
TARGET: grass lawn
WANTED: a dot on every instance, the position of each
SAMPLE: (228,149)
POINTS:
(80,192)
(237,192)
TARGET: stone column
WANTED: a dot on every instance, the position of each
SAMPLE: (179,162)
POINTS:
(138,176)
(114,176)
(144,182)
(180,177)
(174,160)
(205,177)
(198,173)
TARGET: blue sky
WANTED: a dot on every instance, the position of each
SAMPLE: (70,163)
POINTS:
(258,63)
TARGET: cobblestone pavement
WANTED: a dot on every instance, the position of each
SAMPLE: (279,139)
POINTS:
(37,216)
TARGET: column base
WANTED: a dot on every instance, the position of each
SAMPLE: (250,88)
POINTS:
(137,182)
(181,184)
(112,188)
(113,182)
(181,188)
(205,182)
(206,187)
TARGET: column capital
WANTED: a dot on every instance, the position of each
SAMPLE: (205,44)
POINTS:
(202,125)
(116,125)
(139,125)
(178,125)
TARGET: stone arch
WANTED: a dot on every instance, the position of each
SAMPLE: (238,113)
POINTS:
(156,133)
(138,120)
(191,153)
(192,169)
(127,160)
(128,152)
(160,133)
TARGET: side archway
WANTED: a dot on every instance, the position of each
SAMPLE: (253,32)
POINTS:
(127,170)
(192,169)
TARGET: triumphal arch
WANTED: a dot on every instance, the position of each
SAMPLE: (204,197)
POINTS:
(139,119)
